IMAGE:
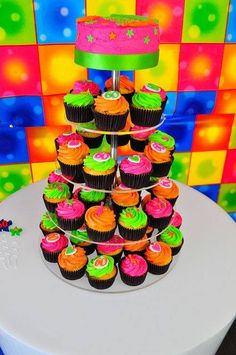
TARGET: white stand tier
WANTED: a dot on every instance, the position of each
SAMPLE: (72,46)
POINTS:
(187,312)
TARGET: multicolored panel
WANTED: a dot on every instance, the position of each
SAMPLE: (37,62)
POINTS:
(227,197)
(61,17)
(212,132)
(206,167)
(19,71)
(17,22)
(41,142)
(42,170)
(200,66)
(231,28)
(225,101)
(232,141)
(13,145)
(169,14)
(165,74)
(233,216)
(22,111)
(194,102)
(228,72)
(229,174)
(171,103)
(108,7)
(54,110)
(180,167)
(211,191)
(205,21)
(58,70)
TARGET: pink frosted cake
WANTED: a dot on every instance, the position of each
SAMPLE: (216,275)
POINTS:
(117,42)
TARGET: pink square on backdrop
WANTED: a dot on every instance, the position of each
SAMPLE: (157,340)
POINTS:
(169,14)
(19,71)
(229,174)
(200,66)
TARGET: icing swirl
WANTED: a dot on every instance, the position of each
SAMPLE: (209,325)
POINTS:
(68,136)
(172,236)
(56,176)
(134,265)
(100,162)
(176,220)
(80,236)
(125,85)
(100,266)
(89,195)
(111,107)
(158,207)
(100,219)
(136,246)
(79,100)
(86,85)
(147,101)
(56,191)
(152,88)
(129,198)
(73,155)
(157,153)
(49,221)
(162,138)
(54,242)
(70,209)
(166,188)
(72,262)
(133,218)
(110,247)
(158,253)
(138,166)
(141,135)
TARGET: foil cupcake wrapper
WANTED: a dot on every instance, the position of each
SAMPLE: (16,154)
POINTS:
(97,236)
(49,256)
(78,114)
(156,269)
(142,117)
(75,171)
(112,123)
(70,224)
(94,142)
(135,181)
(138,145)
(162,169)
(99,181)
(73,275)
(121,140)
(50,206)
(131,280)
(132,234)
(159,223)
(101,284)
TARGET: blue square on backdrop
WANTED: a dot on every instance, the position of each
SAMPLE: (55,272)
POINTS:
(232,215)
(181,128)
(194,102)
(56,20)
(171,103)
(100,76)
(13,147)
(210,191)
(231,28)
(21,111)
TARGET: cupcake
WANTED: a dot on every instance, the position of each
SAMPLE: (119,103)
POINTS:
(101,272)
(126,87)
(121,139)
(160,157)
(146,109)
(78,107)
(110,111)
(173,237)
(51,246)
(163,139)
(113,247)
(92,139)
(155,89)
(72,262)
(55,193)
(123,197)
(56,176)
(167,189)
(70,214)
(79,237)
(139,140)
(135,171)
(86,86)
(100,222)
(145,200)
(71,157)
(49,223)
(137,247)
(133,269)
(132,223)
(159,212)
(176,220)
(159,257)
(65,137)
(89,197)
(99,170)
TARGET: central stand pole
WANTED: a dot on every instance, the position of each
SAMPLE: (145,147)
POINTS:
(115,86)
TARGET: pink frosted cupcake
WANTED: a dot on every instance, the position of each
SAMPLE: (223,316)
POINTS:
(52,244)
(139,140)
(176,220)
(159,212)
(155,89)
(56,176)
(86,85)
(133,269)
(135,171)
(70,214)
(114,248)
(65,137)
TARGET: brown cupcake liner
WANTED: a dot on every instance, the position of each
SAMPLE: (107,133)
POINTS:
(99,181)
(111,123)
(131,280)
(75,171)
(138,145)
(70,224)
(50,206)
(142,117)
(73,275)
(156,269)
(121,140)
(101,284)
(132,234)
(162,169)
(94,142)
(70,185)
(78,114)
(159,223)
(176,250)
(116,257)
(135,181)
(97,236)
(163,104)
(49,256)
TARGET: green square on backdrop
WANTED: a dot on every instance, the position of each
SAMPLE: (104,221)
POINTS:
(227,197)
(180,167)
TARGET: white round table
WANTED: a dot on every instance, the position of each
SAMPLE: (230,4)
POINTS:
(187,312)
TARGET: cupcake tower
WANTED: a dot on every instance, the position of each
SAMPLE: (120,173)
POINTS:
(98,222)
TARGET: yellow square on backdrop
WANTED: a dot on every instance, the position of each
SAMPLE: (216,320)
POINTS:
(165,74)
(108,7)
(58,70)
(42,170)
(206,167)
(228,73)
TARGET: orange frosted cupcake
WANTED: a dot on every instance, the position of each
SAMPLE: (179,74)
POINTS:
(159,257)
(100,222)
(160,157)
(72,262)
(110,111)
(127,198)
(71,157)
(126,87)
(167,189)
(137,247)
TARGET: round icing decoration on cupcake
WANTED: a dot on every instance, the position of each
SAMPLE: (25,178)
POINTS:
(100,262)
(101,156)
(134,159)
(111,95)
(74,144)
(165,183)
(153,87)
(53,237)
(70,250)
(155,247)
(158,147)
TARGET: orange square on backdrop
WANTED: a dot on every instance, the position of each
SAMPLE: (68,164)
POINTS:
(54,110)
(228,72)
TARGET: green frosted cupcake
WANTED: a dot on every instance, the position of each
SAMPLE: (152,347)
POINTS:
(132,223)
(89,197)
(146,109)
(55,193)
(92,139)
(101,272)
(80,238)
(173,237)
(78,107)
(164,139)
(49,223)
